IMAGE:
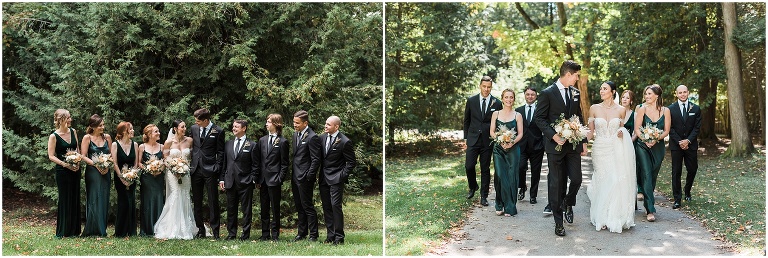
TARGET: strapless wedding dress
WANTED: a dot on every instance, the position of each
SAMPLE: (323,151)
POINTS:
(613,187)
(177,220)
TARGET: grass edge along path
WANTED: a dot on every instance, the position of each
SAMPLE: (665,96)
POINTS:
(25,235)
(425,198)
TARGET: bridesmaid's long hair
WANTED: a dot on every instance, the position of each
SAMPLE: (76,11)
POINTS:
(122,130)
(656,90)
(147,131)
(631,97)
(94,122)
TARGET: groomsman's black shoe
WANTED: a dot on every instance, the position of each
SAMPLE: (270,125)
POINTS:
(676,205)
(312,239)
(230,238)
(521,193)
(533,200)
(299,238)
(688,198)
(547,210)
(471,193)
(328,241)
(263,238)
(338,242)
(568,213)
(559,230)
(483,201)
(243,238)
(200,235)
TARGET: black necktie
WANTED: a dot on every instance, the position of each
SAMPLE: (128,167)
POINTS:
(330,142)
(568,99)
(203,135)
(269,144)
(237,147)
(684,113)
(528,116)
(483,104)
(298,140)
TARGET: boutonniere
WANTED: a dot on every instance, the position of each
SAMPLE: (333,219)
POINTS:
(214,131)
(574,92)
(277,140)
(303,137)
(337,141)
(247,144)
(493,101)
(690,107)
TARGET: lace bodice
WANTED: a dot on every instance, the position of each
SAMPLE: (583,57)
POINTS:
(606,129)
(186,153)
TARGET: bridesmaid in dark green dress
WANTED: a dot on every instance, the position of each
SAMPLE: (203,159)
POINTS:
(125,223)
(650,154)
(152,186)
(67,175)
(628,101)
(96,180)
(506,156)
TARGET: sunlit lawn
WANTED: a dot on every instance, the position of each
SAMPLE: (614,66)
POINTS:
(728,198)
(425,197)
(363,228)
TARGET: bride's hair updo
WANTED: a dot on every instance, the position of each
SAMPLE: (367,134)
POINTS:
(613,88)
(175,125)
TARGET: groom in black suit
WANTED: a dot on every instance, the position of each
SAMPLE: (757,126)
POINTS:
(238,179)
(686,121)
(338,161)
(307,150)
(206,165)
(477,133)
(531,146)
(561,98)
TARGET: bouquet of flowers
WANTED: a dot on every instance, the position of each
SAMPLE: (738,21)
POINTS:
(570,130)
(649,133)
(154,166)
(74,158)
(102,161)
(504,135)
(130,174)
(178,166)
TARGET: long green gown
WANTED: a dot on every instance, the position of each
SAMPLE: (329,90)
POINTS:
(505,177)
(125,223)
(97,195)
(648,164)
(630,125)
(152,197)
(68,183)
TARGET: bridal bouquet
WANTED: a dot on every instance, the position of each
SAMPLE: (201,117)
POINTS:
(73,158)
(178,166)
(649,133)
(504,135)
(130,174)
(154,166)
(102,161)
(570,130)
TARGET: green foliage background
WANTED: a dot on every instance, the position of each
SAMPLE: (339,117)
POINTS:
(156,62)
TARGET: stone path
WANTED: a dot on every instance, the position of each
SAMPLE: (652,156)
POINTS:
(531,232)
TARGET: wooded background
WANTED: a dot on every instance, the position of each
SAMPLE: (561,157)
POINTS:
(436,54)
(156,62)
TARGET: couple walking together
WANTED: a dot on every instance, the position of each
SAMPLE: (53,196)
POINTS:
(613,186)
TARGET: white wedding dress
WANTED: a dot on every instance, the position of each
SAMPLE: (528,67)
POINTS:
(613,188)
(177,220)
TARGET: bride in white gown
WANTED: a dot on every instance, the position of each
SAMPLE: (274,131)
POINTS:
(613,185)
(177,220)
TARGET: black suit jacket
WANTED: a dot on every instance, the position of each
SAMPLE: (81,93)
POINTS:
(531,133)
(477,126)
(688,130)
(208,153)
(274,162)
(548,109)
(306,156)
(338,161)
(242,167)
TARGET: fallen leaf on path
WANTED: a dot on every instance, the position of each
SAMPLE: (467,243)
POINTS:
(509,237)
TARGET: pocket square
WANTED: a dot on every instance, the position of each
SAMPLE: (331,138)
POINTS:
(212,136)
(246,151)
(493,109)
(303,143)
(334,148)
(691,114)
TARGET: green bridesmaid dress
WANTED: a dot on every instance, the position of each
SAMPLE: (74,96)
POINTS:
(68,184)
(97,195)
(505,177)
(152,197)
(648,164)
(125,223)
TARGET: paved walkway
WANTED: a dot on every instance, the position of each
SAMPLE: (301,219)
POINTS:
(531,232)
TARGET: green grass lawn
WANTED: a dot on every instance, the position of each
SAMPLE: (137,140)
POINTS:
(728,198)
(425,197)
(24,234)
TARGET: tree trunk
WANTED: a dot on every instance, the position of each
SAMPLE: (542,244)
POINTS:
(708,92)
(741,143)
